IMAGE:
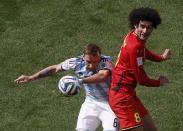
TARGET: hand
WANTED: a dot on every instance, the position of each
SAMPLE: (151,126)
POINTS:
(23,79)
(163,80)
(167,54)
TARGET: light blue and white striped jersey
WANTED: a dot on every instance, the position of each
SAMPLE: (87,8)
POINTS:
(99,91)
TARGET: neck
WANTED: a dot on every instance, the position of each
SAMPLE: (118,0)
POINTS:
(143,41)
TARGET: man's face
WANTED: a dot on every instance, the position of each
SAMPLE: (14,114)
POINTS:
(143,30)
(91,61)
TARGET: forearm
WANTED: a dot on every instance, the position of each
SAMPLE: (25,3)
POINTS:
(153,57)
(93,79)
(96,78)
(150,82)
(143,79)
(44,73)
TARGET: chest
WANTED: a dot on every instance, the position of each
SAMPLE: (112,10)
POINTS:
(140,56)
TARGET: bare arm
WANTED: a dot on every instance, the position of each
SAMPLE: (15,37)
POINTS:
(42,73)
(101,76)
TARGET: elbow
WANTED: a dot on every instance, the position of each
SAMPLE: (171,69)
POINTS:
(143,83)
(140,81)
(149,83)
(101,79)
(102,76)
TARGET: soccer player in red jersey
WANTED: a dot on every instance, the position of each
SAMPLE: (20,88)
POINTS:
(129,71)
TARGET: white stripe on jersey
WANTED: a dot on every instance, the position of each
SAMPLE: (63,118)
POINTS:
(98,91)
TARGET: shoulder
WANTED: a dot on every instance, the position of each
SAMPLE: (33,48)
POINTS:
(75,59)
(134,44)
(105,63)
(105,58)
(132,40)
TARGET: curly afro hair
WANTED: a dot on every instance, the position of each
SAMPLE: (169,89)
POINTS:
(144,13)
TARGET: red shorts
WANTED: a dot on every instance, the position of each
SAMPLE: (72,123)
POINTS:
(127,107)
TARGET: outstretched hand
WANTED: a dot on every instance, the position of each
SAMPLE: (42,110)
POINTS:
(163,80)
(23,79)
(167,54)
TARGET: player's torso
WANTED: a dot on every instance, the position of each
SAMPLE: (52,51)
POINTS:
(98,92)
(123,66)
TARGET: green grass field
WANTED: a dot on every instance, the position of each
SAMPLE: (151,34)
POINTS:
(38,33)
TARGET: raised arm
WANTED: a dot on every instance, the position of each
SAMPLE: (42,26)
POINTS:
(42,73)
(152,56)
(141,75)
(156,57)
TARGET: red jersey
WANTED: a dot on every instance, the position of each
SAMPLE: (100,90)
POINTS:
(130,63)
(128,71)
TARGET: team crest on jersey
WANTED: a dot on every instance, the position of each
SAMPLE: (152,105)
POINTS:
(105,63)
(105,59)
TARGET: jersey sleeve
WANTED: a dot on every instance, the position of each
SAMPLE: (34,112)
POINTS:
(137,65)
(152,56)
(106,63)
(69,64)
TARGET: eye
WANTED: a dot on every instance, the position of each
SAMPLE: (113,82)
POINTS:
(88,62)
(150,27)
(142,26)
(146,26)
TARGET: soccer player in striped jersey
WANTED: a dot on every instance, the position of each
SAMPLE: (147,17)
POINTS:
(129,71)
(94,72)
